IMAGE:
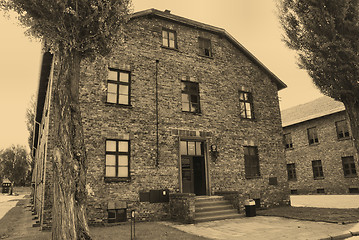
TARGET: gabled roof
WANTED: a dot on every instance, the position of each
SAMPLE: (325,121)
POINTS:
(315,109)
(220,31)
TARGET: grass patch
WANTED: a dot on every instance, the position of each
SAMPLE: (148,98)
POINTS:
(332,215)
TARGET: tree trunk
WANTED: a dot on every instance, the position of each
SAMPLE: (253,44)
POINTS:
(352,108)
(69,159)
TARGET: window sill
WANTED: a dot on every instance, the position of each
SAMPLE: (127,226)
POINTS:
(253,177)
(116,179)
(193,113)
(314,144)
(292,180)
(291,148)
(319,178)
(169,48)
(344,138)
(351,176)
(118,105)
(205,56)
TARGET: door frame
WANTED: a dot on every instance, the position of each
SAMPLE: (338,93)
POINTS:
(205,156)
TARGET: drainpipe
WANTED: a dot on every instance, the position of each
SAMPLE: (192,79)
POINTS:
(157,137)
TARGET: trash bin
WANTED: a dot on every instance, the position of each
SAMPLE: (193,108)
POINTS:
(250,206)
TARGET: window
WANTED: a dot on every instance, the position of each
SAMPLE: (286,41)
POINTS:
(190,97)
(169,38)
(349,167)
(117,158)
(320,190)
(342,129)
(118,87)
(205,48)
(353,190)
(251,162)
(117,215)
(312,135)
(317,169)
(291,171)
(294,191)
(288,140)
(191,148)
(246,105)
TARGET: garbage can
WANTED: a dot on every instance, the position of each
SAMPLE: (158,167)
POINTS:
(250,206)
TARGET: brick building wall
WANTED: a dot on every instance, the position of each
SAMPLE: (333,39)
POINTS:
(329,150)
(219,78)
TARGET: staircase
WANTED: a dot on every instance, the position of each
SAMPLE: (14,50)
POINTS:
(211,208)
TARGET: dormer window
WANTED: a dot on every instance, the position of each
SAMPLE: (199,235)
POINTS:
(169,38)
(205,48)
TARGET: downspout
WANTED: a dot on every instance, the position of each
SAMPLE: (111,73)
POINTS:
(157,136)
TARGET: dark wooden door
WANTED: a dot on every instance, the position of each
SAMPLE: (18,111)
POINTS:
(193,175)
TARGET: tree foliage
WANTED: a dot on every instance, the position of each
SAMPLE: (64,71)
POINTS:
(30,121)
(91,27)
(325,35)
(14,163)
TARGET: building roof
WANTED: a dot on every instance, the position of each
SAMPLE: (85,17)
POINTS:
(315,109)
(220,31)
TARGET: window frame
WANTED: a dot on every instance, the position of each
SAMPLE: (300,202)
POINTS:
(203,45)
(350,163)
(342,128)
(119,83)
(243,103)
(288,142)
(117,153)
(168,31)
(119,213)
(251,161)
(291,172)
(312,134)
(190,93)
(317,168)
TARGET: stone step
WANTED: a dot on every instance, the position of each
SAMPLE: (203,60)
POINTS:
(217,217)
(209,208)
(218,212)
(211,203)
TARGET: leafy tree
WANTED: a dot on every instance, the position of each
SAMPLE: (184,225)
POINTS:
(74,31)
(15,164)
(325,34)
(30,124)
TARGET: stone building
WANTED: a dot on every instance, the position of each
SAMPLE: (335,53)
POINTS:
(181,109)
(320,153)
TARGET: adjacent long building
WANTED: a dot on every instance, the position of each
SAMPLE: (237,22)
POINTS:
(321,157)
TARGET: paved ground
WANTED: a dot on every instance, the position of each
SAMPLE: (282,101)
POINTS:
(262,227)
(7,202)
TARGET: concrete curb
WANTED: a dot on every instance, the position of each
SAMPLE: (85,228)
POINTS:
(342,236)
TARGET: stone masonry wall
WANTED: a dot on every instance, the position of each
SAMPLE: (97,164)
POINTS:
(219,80)
(329,150)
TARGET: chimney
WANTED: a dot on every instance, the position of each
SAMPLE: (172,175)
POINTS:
(167,11)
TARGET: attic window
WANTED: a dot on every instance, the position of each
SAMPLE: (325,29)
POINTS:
(205,48)
(169,38)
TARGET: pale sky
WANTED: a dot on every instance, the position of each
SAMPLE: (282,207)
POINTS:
(252,22)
